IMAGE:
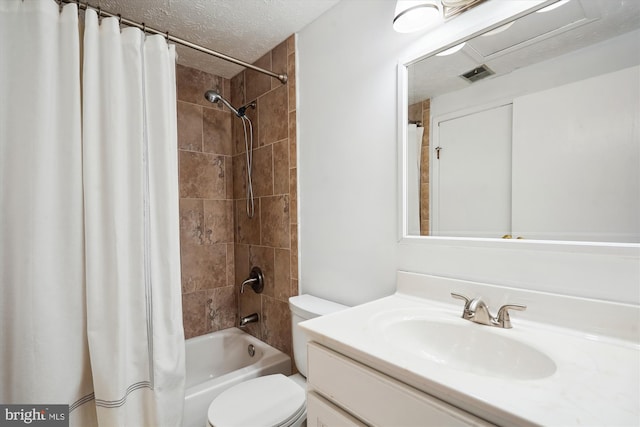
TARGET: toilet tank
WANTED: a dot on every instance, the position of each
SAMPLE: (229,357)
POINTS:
(305,307)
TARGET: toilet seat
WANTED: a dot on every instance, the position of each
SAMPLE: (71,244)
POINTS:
(270,401)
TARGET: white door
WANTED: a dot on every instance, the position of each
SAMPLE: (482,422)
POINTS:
(472,175)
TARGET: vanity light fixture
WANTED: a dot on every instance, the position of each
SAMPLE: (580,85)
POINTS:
(411,16)
(416,15)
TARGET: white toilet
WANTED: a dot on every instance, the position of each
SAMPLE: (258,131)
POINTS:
(273,400)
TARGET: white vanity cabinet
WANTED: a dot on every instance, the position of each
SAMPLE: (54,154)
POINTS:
(344,392)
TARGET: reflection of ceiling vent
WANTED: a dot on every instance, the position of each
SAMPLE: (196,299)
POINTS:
(477,73)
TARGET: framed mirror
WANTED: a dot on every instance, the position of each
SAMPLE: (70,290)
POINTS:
(528,131)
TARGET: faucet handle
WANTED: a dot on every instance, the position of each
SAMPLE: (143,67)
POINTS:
(503,314)
(467,301)
(462,297)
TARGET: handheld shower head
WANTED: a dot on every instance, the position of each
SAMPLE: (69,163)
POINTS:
(213,97)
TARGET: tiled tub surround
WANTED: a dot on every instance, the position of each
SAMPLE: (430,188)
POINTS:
(219,243)
(206,203)
(269,239)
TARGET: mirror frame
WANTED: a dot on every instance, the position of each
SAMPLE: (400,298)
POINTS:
(438,40)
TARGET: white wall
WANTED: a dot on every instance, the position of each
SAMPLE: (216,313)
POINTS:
(348,182)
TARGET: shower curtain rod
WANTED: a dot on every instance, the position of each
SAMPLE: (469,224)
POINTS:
(83,5)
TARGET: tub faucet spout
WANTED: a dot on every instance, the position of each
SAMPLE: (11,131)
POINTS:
(252,318)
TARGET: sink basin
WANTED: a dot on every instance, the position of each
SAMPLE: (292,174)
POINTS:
(466,346)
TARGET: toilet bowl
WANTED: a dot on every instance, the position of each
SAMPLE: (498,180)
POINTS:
(273,400)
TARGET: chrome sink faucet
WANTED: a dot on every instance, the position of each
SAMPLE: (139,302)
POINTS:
(476,310)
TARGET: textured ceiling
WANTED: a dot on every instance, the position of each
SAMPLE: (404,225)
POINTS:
(243,29)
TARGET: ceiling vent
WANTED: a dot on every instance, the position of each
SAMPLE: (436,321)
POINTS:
(477,73)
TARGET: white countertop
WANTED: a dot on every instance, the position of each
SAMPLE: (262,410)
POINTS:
(596,380)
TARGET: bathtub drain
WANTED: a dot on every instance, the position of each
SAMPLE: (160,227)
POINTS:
(251,350)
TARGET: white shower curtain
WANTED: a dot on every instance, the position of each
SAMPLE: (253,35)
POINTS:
(414,156)
(89,253)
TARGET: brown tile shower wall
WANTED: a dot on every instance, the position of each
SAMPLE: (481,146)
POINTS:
(421,111)
(269,239)
(206,203)
(219,243)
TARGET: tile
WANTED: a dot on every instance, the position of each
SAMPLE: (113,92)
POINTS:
(231,264)
(241,262)
(191,84)
(281,167)
(189,126)
(194,314)
(216,136)
(293,196)
(191,222)
(282,274)
(274,220)
(225,308)
(276,324)
(424,162)
(226,88)
(262,171)
(228,173)
(249,302)
(239,176)
(202,175)
(247,229)
(414,112)
(294,251)
(218,221)
(239,143)
(294,288)
(279,62)
(204,266)
(263,257)
(237,89)
(292,139)
(273,116)
(291,43)
(424,202)
(424,228)
(257,84)
(291,82)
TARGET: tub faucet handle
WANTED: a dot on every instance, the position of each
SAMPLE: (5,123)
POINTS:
(255,280)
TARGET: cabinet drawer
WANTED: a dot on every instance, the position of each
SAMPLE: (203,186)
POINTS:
(322,413)
(375,398)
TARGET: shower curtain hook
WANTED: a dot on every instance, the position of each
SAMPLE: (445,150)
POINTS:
(144,28)
(119,19)
(167,36)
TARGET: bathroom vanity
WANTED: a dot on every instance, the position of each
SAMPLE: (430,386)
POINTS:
(411,359)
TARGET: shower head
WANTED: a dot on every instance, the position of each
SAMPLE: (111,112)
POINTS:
(214,97)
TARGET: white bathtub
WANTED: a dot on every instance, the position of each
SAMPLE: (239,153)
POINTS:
(219,360)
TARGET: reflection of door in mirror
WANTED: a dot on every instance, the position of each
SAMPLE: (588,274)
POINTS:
(558,164)
(418,146)
(471,178)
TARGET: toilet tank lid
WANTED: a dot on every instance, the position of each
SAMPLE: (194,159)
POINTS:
(308,306)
